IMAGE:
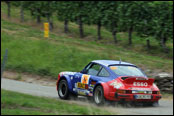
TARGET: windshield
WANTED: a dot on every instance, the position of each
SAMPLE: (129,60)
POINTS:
(127,71)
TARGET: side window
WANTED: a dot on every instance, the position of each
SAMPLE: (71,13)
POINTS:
(84,71)
(94,69)
(103,73)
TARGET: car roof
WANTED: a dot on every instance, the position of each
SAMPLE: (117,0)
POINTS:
(111,62)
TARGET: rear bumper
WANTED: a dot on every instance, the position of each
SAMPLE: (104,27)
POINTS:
(131,97)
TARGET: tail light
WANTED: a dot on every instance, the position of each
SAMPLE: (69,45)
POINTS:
(58,76)
(121,91)
(58,79)
(156,92)
(128,91)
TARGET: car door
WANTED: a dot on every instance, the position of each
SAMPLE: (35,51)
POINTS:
(85,78)
(76,80)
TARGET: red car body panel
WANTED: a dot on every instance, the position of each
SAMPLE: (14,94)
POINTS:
(128,85)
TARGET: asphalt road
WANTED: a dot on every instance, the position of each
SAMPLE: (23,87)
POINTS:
(165,107)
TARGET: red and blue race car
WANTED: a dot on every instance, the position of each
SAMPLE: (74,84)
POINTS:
(109,80)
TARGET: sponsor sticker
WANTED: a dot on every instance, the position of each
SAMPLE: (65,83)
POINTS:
(72,78)
(67,73)
(140,84)
(116,85)
(147,89)
(131,68)
(82,92)
(85,79)
(82,86)
(113,67)
(91,87)
(90,94)
(138,91)
(93,82)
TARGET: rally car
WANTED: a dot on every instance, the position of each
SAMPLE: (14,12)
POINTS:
(109,80)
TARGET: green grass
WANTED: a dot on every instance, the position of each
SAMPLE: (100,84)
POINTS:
(13,103)
(168,96)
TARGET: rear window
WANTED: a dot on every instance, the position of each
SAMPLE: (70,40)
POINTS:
(127,71)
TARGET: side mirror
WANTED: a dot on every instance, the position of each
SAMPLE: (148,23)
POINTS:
(84,71)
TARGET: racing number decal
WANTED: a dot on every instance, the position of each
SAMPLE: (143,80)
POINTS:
(85,79)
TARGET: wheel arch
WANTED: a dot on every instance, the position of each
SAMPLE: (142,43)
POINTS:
(105,89)
(67,78)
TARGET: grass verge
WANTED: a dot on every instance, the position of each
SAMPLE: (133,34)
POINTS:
(168,96)
(13,103)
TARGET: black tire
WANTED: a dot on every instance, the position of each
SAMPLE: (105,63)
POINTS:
(99,95)
(63,91)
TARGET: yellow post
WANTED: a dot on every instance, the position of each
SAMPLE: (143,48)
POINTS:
(46,30)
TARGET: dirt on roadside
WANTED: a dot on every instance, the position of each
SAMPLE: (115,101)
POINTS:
(30,78)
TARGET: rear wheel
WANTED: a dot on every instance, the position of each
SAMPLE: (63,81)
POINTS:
(99,95)
(63,91)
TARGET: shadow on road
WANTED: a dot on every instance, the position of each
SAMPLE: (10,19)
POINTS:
(87,101)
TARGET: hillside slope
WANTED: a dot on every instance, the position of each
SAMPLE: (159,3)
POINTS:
(30,52)
(90,31)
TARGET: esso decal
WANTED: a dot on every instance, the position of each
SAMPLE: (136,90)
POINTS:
(140,84)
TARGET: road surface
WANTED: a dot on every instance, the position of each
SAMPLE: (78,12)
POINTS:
(165,108)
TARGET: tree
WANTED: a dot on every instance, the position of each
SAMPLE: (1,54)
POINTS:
(96,15)
(35,9)
(8,8)
(144,27)
(40,9)
(48,8)
(163,22)
(80,14)
(111,18)
(129,15)
(23,6)
(64,13)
